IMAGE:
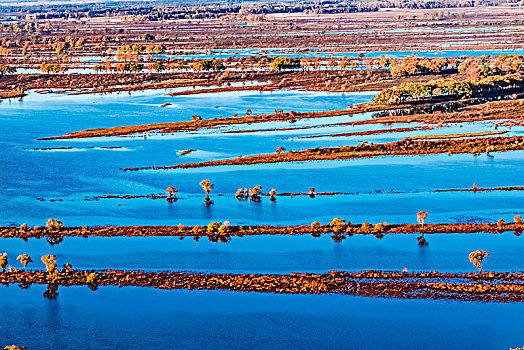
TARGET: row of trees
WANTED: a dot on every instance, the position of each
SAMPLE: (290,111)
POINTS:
(448,87)
(159,66)
(52,68)
(6,69)
(5,51)
(214,65)
(412,65)
(129,52)
(281,63)
(485,66)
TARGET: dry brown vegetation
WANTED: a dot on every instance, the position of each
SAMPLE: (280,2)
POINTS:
(201,231)
(488,286)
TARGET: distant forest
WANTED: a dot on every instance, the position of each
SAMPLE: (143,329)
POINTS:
(154,10)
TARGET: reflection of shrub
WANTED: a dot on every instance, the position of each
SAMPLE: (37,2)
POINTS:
(422,241)
(337,238)
(518,219)
(52,291)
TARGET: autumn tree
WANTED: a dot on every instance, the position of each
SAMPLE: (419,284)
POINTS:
(281,63)
(24,259)
(421,217)
(3,261)
(171,191)
(50,263)
(477,257)
(207,186)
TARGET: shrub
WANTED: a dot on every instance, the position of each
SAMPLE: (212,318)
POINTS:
(477,258)
(172,192)
(337,225)
(3,261)
(24,259)
(421,217)
(50,263)
(255,193)
(53,225)
(207,186)
(213,227)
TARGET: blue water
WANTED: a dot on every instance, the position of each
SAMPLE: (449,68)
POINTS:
(83,172)
(276,254)
(135,318)
(391,189)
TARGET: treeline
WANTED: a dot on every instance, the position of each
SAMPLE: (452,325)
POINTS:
(485,66)
(473,67)
(52,68)
(448,87)
(170,10)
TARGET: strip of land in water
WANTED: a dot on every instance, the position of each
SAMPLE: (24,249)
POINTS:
(498,110)
(485,287)
(397,148)
(212,230)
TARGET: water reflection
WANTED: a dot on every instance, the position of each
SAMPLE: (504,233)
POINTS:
(52,291)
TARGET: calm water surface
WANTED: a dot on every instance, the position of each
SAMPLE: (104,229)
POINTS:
(383,189)
(134,318)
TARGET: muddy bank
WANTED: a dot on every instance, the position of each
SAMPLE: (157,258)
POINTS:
(484,189)
(371,132)
(222,89)
(365,150)
(489,286)
(454,136)
(13,93)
